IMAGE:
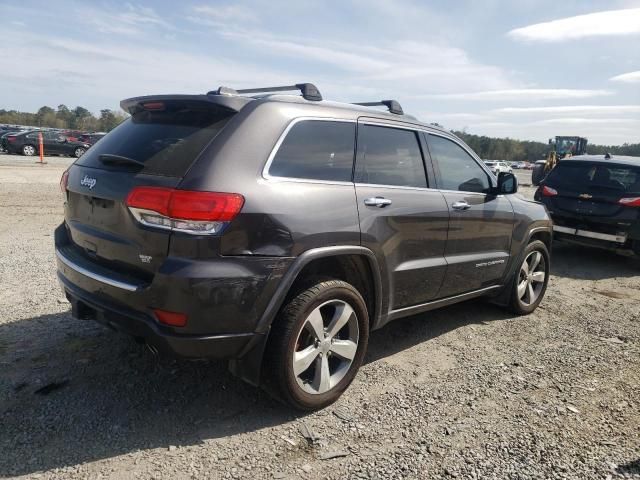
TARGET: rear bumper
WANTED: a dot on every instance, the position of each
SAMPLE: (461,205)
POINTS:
(224,299)
(84,307)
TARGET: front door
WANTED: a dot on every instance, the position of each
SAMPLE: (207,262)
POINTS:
(481,222)
(402,220)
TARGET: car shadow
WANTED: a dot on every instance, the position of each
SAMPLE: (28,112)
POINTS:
(584,263)
(61,377)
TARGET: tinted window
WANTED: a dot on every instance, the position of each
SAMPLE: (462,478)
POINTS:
(166,141)
(316,150)
(457,170)
(389,156)
(583,177)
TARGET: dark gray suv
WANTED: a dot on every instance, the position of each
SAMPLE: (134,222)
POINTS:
(278,230)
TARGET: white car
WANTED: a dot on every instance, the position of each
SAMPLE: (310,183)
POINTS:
(498,167)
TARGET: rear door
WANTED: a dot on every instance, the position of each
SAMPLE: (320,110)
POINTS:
(53,143)
(480,225)
(154,147)
(401,219)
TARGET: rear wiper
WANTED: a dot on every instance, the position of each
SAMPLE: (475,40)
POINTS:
(119,159)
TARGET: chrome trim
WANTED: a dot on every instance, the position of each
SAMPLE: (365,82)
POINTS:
(265,171)
(96,276)
(587,234)
(399,187)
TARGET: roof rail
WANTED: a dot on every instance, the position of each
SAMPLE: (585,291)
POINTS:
(392,105)
(309,91)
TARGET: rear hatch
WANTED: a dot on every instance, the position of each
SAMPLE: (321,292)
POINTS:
(581,193)
(155,147)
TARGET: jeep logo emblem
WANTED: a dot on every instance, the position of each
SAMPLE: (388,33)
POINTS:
(87,181)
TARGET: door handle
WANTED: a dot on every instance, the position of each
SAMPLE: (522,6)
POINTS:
(379,202)
(461,205)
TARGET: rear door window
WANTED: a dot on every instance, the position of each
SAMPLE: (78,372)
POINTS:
(316,150)
(167,141)
(389,156)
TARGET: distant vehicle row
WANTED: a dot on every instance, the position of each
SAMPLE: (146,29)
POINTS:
(53,142)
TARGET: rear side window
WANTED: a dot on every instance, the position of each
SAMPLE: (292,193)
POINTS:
(316,150)
(389,156)
(457,170)
(166,141)
(582,177)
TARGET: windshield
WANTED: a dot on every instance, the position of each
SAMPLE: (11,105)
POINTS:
(566,145)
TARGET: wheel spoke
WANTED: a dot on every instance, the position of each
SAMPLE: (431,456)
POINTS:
(344,348)
(303,359)
(522,287)
(537,277)
(535,260)
(531,293)
(340,318)
(316,323)
(322,377)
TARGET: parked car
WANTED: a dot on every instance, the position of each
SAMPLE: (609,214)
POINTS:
(595,201)
(498,167)
(27,143)
(91,138)
(3,138)
(254,229)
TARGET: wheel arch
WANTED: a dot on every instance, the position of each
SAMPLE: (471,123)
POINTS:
(354,264)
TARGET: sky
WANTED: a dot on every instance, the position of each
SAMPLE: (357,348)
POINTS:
(525,69)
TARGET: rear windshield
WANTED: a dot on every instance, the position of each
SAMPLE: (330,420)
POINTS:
(166,141)
(581,176)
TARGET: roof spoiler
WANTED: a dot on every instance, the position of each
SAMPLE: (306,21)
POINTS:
(137,104)
(393,106)
(309,91)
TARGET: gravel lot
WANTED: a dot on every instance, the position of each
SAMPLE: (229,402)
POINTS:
(467,392)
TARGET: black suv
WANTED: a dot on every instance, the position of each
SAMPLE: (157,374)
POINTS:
(27,143)
(594,200)
(278,230)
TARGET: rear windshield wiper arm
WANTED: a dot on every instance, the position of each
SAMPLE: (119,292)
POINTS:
(115,159)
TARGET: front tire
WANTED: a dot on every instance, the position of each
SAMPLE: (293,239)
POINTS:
(78,152)
(28,150)
(531,279)
(317,345)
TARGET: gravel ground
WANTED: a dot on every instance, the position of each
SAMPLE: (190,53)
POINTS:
(466,392)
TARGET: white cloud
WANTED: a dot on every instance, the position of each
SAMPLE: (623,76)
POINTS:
(631,77)
(519,94)
(561,109)
(223,14)
(612,22)
(589,121)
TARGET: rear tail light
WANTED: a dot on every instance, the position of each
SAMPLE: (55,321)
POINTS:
(630,201)
(205,213)
(11,138)
(64,180)
(154,106)
(549,192)
(172,319)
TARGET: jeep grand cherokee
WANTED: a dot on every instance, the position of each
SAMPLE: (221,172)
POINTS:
(278,230)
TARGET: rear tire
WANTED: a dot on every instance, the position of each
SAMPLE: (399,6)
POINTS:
(28,150)
(531,279)
(316,345)
(537,174)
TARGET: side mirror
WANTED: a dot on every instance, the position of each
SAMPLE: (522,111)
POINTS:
(507,183)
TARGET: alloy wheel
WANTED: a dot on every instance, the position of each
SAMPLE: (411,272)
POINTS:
(325,347)
(532,276)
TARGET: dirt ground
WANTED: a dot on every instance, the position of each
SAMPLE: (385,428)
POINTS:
(468,392)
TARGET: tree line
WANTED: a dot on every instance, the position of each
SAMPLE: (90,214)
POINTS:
(78,118)
(524,150)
